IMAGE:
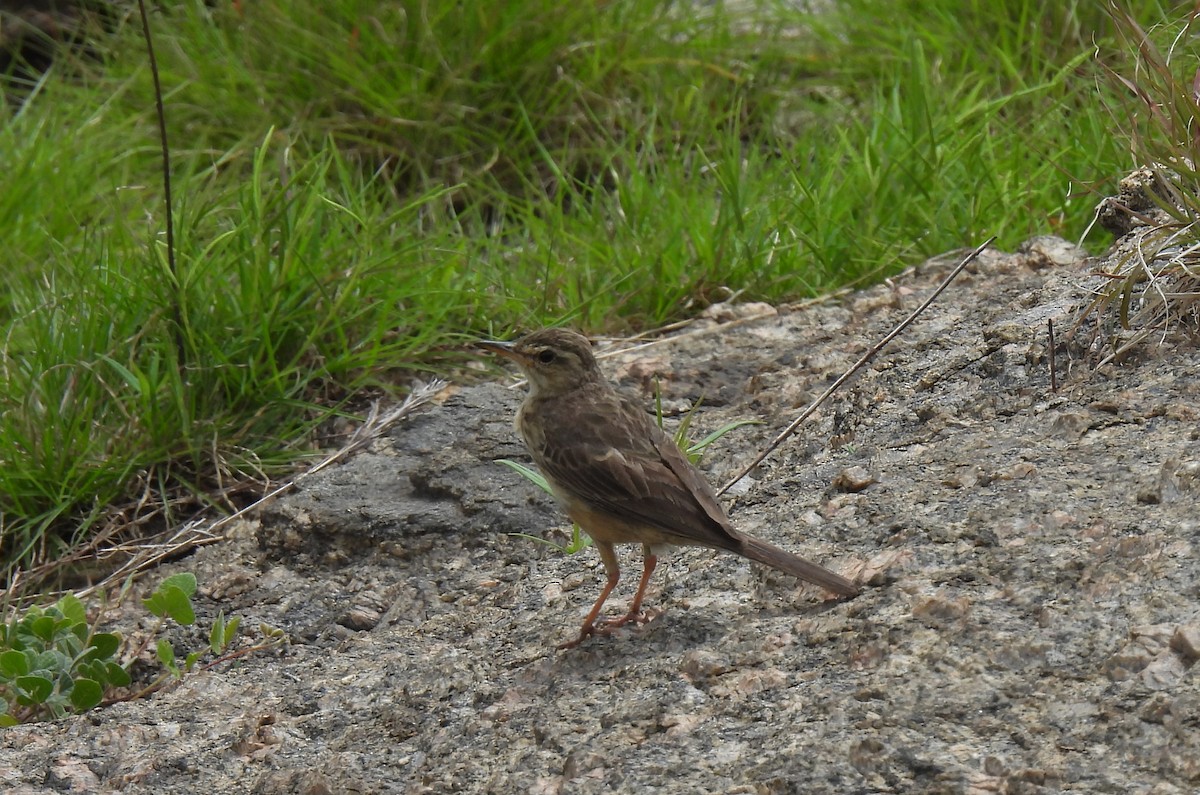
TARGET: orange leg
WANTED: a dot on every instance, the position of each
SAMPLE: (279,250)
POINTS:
(609,557)
(635,615)
(649,561)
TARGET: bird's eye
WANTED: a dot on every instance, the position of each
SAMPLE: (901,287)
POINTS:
(546,357)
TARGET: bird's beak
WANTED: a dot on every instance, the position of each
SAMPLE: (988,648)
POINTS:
(504,349)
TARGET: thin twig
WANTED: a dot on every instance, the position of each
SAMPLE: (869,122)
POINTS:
(1053,368)
(870,354)
(176,304)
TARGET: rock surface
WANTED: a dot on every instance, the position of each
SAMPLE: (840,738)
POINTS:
(1030,623)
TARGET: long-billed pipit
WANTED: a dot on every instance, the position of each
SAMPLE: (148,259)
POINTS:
(619,476)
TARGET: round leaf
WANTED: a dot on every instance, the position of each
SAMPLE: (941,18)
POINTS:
(80,631)
(186,582)
(13,664)
(34,689)
(103,645)
(169,600)
(166,653)
(179,606)
(85,694)
(116,676)
(51,660)
(72,608)
(90,669)
(42,628)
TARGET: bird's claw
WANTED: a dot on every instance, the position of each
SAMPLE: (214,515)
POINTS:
(632,617)
(607,626)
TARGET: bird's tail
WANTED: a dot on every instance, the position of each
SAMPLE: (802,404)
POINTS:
(797,566)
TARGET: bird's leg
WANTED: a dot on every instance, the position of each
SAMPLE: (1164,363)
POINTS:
(649,561)
(609,557)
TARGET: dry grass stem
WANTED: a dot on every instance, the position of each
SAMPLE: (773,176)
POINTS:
(862,362)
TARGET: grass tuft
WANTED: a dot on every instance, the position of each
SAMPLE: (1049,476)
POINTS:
(1155,287)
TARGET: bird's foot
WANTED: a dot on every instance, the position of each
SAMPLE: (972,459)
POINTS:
(585,633)
(606,626)
(632,617)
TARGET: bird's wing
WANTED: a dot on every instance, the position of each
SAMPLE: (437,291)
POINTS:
(619,462)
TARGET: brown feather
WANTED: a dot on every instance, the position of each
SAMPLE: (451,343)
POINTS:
(612,464)
(773,556)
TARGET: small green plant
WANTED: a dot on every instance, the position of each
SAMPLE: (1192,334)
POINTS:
(578,539)
(54,663)
(173,599)
(693,450)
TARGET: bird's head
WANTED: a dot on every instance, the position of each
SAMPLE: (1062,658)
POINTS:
(555,361)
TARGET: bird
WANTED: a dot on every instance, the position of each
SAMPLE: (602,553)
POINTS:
(619,476)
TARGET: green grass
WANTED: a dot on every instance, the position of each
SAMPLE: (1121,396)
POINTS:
(363,185)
